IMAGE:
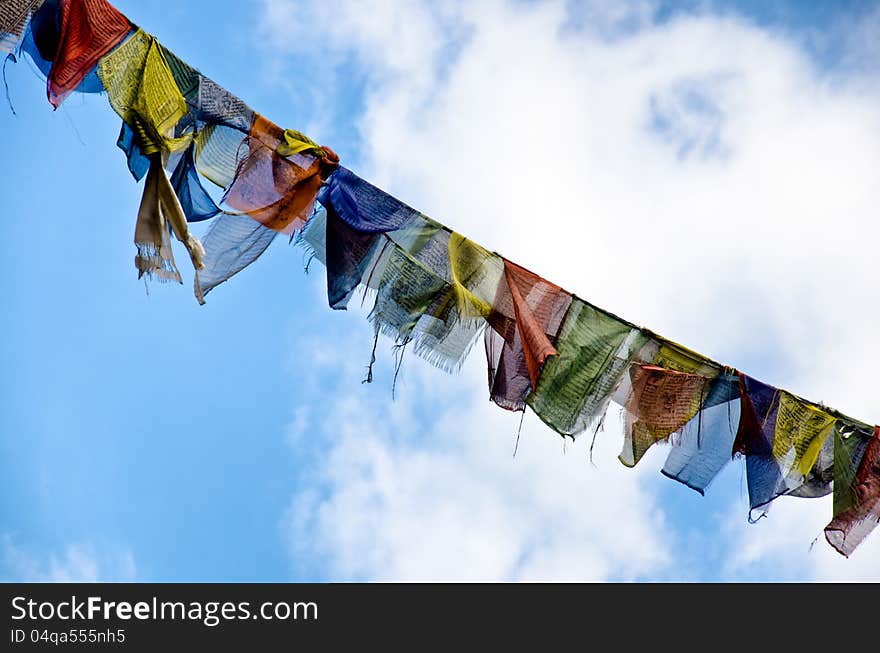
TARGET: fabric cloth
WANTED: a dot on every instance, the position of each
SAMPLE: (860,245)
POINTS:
(781,437)
(232,243)
(220,151)
(406,291)
(455,317)
(800,434)
(434,291)
(41,35)
(138,164)
(185,76)
(197,204)
(143,92)
(159,212)
(703,449)
(525,319)
(275,190)
(88,30)
(41,40)
(14,15)
(40,43)
(223,122)
(474,285)
(595,349)
(759,405)
(446,331)
(661,402)
(819,480)
(358,214)
(216,120)
(856,495)
(673,356)
(294,142)
(217,106)
(851,441)
(274,193)
(350,255)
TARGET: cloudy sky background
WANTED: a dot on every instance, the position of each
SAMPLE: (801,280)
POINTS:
(708,169)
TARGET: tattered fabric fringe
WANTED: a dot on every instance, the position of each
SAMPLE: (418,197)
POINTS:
(421,343)
(151,264)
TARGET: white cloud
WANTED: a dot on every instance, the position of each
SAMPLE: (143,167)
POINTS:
(781,546)
(704,177)
(427,488)
(77,563)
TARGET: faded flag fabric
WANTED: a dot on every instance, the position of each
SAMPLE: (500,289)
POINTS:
(88,30)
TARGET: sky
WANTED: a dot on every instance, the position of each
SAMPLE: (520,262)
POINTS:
(706,169)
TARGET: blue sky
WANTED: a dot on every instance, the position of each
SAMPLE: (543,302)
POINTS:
(698,168)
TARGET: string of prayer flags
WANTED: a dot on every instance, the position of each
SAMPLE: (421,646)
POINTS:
(435,290)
